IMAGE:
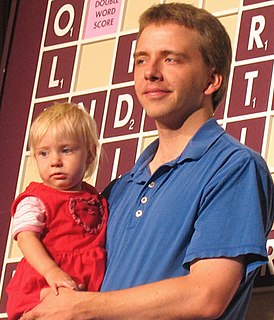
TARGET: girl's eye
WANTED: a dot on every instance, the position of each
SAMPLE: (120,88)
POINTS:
(43,153)
(66,150)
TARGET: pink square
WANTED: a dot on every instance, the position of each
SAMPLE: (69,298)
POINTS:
(102,18)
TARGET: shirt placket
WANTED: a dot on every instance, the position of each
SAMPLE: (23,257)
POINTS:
(143,202)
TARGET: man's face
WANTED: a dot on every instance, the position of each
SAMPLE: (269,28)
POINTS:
(170,75)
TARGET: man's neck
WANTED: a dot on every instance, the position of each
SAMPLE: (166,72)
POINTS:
(173,142)
(168,150)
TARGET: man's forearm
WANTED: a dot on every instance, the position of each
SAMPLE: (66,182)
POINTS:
(203,294)
(158,300)
(161,300)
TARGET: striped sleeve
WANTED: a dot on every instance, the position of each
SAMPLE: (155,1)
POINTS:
(30,215)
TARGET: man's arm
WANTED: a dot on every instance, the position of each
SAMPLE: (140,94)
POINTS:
(203,294)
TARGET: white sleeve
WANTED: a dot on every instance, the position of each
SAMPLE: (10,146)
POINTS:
(30,215)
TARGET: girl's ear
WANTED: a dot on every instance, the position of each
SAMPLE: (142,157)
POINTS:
(214,83)
(91,155)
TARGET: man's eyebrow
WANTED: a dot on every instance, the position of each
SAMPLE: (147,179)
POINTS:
(173,52)
(163,53)
(139,53)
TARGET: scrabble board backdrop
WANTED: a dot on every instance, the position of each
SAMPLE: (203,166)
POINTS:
(81,51)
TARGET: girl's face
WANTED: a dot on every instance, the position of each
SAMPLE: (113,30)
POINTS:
(61,162)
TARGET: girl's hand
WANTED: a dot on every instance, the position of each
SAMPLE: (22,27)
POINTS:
(57,278)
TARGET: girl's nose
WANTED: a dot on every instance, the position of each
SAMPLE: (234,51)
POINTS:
(56,160)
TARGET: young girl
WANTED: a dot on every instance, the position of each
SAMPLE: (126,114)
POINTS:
(60,223)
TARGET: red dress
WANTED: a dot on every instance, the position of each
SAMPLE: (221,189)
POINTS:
(74,236)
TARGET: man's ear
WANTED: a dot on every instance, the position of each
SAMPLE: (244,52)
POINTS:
(214,83)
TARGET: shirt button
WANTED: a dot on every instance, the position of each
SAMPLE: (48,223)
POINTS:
(152,184)
(144,200)
(138,213)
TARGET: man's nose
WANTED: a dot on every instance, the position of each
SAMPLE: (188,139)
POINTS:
(153,72)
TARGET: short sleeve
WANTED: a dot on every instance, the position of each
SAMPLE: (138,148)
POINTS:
(234,209)
(30,215)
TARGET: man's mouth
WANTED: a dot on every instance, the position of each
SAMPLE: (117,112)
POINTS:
(156,92)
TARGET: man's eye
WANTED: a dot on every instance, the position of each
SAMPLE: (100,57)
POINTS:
(139,61)
(170,59)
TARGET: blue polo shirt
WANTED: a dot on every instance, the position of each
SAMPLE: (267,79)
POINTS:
(214,200)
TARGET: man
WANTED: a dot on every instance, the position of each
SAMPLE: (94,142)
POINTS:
(188,224)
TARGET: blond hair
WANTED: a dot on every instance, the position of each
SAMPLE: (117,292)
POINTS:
(69,120)
(215,45)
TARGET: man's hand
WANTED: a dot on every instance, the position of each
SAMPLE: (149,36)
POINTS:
(54,307)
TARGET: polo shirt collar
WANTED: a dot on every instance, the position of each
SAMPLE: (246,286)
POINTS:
(195,149)
(202,140)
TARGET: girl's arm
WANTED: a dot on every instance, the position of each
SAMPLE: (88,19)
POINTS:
(37,256)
